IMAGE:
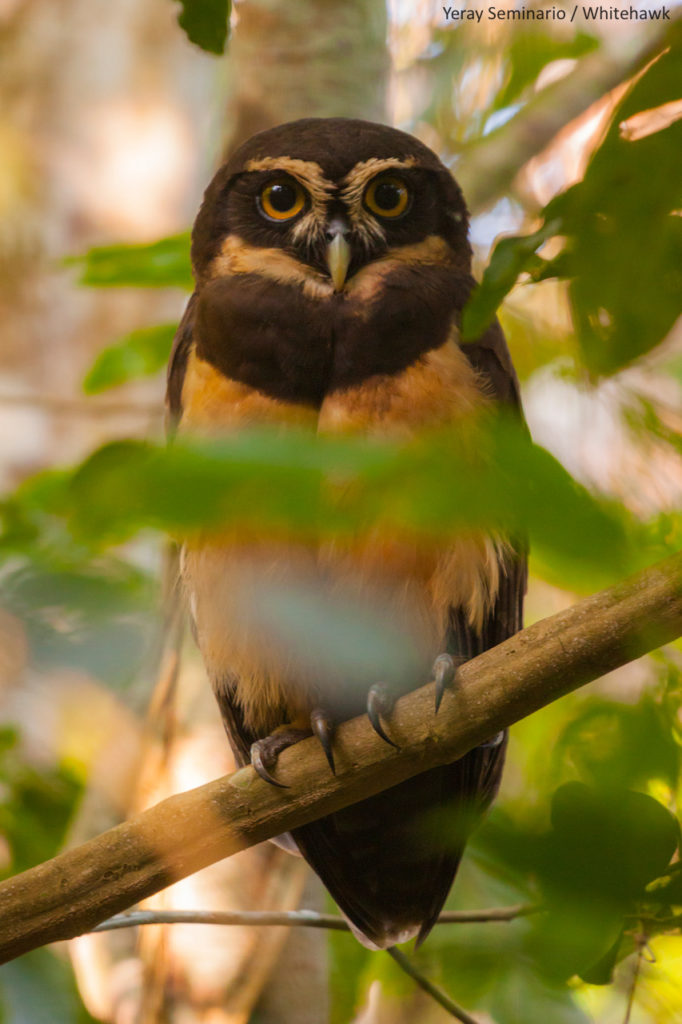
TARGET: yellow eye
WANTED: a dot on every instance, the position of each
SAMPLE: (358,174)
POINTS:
(282,199)
(387,196)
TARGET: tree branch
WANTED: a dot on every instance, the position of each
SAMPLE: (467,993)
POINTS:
(73,892)
(486,170)
(405,964)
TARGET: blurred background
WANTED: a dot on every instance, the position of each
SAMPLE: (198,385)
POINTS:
(565,131)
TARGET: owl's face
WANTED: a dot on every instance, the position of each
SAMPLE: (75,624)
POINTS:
(334,225)
(319,231)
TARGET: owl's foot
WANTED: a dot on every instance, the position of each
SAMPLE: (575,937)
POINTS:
(264,753)
(444,672)
(380,701)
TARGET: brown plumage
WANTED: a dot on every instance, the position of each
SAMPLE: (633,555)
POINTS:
(332,263)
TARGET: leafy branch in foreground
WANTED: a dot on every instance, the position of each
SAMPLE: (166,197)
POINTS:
(72,893)
(300,484)
(626,205)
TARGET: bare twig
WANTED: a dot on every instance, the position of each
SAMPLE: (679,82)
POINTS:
(635,978)
(488,914)
(288,918)
(293,918)
(73,892)
(458,1012)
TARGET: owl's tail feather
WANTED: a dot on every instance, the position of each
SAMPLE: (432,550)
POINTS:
(390,860)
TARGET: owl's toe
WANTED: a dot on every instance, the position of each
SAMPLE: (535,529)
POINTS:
(322,725)
(444,672)
(380,701)
(264,752)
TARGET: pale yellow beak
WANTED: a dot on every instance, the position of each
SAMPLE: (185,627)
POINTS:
(338,258)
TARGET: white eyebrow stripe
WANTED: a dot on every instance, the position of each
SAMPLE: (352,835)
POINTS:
(360,176)
(307,172)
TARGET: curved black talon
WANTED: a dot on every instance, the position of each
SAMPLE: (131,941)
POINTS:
(494,742)
(259,766)
(444,669)
(323,728)
(379,702)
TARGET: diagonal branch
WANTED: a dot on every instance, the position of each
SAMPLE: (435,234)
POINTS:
(488,167)
(442,998)
(76,890)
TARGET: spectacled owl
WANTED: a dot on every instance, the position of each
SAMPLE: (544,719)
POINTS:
(332,264)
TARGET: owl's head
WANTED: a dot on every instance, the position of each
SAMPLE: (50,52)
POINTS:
(326,197)
(327,251)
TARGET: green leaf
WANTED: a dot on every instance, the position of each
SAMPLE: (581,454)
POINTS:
(530,50)
(206,23)
(140,354)
(607,843)
(511,257)
(35,806)
(601,972)
(614,744)
(622,236)
(162,264)
(604,847)
(624,231)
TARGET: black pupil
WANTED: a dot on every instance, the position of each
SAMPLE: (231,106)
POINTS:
(282,197)
(387,196)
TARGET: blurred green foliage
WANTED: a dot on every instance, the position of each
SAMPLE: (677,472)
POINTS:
(97,618)
(39,988)
(594,855)
(530,51)
(621,233)
(302,484)
(37,805)
(140,354)
(206,22)
(162,264)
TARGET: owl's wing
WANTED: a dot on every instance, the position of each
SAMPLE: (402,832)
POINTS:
(473,781)
(177,364)
(489,355)
(240,738)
